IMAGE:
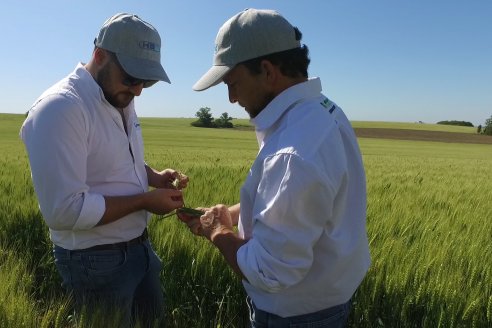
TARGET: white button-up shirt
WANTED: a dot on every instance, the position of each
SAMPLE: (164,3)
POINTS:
(303,206)
(79,152)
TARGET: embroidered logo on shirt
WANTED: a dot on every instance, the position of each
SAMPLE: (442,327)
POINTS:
(326,103)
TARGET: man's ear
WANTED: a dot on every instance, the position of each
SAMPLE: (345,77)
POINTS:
(269,70)
(100,56)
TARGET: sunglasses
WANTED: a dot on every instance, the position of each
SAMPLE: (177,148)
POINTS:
(129,80)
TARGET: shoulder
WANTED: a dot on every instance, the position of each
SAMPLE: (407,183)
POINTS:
(56,111)
(68,97)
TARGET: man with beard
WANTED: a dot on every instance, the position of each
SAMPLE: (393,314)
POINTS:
(301,246)
(85,149)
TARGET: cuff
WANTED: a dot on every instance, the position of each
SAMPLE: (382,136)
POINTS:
(92,211)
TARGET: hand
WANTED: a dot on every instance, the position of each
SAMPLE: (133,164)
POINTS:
(193,222)
(175,179)
(162,200)
(216,219)
(167,179)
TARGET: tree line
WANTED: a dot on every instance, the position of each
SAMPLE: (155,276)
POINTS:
(481,129)
(460,123)
(206,120)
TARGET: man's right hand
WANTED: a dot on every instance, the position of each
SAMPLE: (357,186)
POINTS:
(158,201)
(162,201)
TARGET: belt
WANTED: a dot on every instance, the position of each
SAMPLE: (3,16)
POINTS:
(122,245)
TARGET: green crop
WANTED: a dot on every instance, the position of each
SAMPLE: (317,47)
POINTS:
(429,228)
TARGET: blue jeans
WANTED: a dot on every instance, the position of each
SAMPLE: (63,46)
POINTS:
(334,317)
(125,279)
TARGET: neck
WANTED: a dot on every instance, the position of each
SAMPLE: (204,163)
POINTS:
(90,68)
(287,83)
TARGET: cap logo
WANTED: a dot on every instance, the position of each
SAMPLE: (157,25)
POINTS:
(148,45)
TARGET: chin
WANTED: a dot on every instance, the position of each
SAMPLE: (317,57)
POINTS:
(249,113)
(121,101)
(253,112)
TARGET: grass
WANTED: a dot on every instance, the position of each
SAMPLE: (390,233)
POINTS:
(411,150)
(428,224)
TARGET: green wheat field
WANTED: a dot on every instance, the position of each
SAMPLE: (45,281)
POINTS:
(429,226)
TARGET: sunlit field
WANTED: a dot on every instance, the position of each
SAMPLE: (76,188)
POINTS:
(429,226)
(414,126)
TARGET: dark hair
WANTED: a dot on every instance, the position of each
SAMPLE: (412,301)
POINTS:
(292,63)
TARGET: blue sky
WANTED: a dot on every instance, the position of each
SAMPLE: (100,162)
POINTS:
(380,60)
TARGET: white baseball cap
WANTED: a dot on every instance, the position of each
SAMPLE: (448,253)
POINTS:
(249,34)
(137,46)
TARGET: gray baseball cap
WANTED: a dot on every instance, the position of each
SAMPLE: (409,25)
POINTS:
(249,34)
(137,46)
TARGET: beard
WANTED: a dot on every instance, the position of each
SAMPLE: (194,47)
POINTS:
(254,111)
(117,99)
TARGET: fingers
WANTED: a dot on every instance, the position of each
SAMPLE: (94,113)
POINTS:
(219,210)
(177,180)
(193,224)
(197,224)
(222,215)
(195,227)
(175,195)
(183,180)
(205,225)
(183,217)
(170,198)
(207,219)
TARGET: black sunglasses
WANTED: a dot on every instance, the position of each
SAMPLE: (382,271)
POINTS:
(129,80)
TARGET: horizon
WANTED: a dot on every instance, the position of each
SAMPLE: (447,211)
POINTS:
(356,122)
(379,61)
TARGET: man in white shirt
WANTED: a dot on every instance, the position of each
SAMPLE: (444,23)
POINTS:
(86,153)
(301,247)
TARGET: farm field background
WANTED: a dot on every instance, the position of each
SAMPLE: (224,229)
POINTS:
(429,226)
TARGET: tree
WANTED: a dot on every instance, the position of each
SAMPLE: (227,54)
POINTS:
(460,123)
(224,121)
(205,118)
(487,128)
(479,129)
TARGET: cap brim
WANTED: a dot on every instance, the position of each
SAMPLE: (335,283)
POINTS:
(212,77)
(144,69)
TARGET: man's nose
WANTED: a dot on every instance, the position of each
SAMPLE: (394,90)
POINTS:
(232,96)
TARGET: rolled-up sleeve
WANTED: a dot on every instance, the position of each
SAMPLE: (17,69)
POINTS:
(56,143)
(292,207)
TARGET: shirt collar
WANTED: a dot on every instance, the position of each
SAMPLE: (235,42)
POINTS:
(88,79)
(284,101)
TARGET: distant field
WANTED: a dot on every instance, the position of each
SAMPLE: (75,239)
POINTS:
(429,226)
(423,135)
(396,125)
(413,126)
(411,131)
